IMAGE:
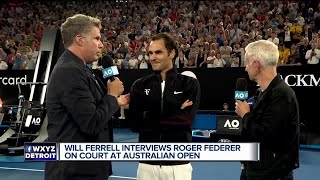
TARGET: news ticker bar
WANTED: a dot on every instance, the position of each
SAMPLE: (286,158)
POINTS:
(141,151)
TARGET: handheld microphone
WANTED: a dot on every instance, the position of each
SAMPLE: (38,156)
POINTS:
(109,70)
(241,92)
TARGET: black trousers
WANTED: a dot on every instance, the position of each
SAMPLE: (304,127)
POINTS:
(289,176)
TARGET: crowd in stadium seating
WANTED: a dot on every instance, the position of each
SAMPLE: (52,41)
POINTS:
(209,33)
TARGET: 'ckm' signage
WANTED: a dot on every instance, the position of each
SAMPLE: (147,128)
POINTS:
(301,80)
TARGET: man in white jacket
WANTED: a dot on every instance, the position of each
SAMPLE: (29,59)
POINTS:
(313,54)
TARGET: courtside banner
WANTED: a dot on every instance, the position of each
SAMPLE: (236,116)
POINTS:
(158,151)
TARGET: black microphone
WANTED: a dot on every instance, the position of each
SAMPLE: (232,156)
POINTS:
(241,92)
(109,70)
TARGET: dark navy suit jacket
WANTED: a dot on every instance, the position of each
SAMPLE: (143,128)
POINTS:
(79,110)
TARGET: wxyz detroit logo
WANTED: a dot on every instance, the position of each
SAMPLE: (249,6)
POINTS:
(13,80)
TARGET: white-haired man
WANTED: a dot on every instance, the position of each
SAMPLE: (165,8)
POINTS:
(274,118)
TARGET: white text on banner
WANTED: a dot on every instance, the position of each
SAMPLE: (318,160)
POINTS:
(159,151)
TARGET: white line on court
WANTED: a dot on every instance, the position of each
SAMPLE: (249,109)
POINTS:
(40,170)
(21,169)
(122,177)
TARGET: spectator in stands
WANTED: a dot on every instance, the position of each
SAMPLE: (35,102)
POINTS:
(307,32)
(287,37)
(18,62)
(79,106)
(28,64)
(180,60)
(12,44)
(166,118)
(210,59)
(218,61)
(234,61)
(216,22)
(225,51)
(234,33)
(281,30)
(125,62)
(313,54)
(274,119)
(214,46)
(239,52)
(287,23)
(274,38)
(3,55)
(294,54)
(258,37)
(123,48)
(315,36)
(143,59)
(190,63)
(310,16)
(10,58)
(133,62)
(303,48)
(296,31)
(225,107)
(268,33)
(3,65)
(201,57)
(117,61)
(185,47)
(300,19)
(143,62)
(284,54)
(142,52)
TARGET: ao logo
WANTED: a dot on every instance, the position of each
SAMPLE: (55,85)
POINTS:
(32,120)
(36,121)
(108,72)
(241,95)
(234,124)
